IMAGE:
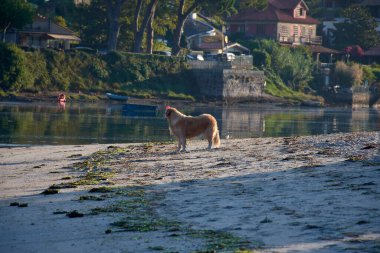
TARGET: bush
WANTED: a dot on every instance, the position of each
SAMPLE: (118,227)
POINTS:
(13,72)
(371,73)
(347,76)
(50,70)
(261,58)
(293,65)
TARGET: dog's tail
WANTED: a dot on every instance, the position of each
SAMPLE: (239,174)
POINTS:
(216,139)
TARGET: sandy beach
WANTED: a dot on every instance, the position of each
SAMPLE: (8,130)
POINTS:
(295,194)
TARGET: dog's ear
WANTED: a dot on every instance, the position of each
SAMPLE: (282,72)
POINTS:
(168,112)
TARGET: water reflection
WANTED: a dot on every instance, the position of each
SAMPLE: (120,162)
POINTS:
(22,123)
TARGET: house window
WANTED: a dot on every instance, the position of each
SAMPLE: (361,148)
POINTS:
(284,30)
(301,12)
(311,31)
(260,29)
(295,30)
(241,28)
(303,31)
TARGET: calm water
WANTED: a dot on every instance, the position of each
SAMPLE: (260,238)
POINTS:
(43,123)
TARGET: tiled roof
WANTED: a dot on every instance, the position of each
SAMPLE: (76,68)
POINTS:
(370,3)
(323,50)
(271,13)
(375,51)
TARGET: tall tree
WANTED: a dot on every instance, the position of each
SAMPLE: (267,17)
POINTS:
(139,30)
(182,14)
(186,7)
(150,36)
(257,4)
(359,28)
(113,14)
(92,23)
(15,13)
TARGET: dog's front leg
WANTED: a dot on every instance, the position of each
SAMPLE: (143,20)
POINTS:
(184,144)
(179,145)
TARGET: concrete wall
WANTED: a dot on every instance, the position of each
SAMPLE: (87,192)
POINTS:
(242,84)
(217,81)
(358,97)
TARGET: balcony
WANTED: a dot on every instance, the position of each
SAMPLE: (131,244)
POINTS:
(299,40)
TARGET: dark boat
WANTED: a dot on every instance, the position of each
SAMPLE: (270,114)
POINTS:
(116,97)
(141,110)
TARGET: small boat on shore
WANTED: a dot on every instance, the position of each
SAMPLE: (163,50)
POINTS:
(117,97)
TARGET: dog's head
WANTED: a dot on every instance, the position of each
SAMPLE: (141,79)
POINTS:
(168,111)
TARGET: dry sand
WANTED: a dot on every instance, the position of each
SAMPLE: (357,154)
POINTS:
(298,194)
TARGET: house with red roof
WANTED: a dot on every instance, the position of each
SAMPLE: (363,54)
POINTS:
(285,21)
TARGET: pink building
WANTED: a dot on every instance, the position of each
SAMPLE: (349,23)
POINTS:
(284,21)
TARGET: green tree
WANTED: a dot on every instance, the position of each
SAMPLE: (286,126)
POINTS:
(13,73)
(186,7)
(139,28)
(91,23)
(15,13)
(359,28)
(257,4)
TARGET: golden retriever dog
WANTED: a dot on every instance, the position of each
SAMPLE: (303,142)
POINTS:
(183,126)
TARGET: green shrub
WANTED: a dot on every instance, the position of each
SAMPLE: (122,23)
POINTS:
(261,58)
(371,73)
(39,79)
(13,72)
(347,76)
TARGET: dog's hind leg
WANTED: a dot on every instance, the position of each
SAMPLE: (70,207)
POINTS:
(179,145)
(209,144)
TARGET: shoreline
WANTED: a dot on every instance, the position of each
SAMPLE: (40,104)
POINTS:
(318,193)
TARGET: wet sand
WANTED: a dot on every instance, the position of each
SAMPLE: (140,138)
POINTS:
(297,194)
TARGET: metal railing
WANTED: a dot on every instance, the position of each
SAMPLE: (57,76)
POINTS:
(315,40)
(242,62)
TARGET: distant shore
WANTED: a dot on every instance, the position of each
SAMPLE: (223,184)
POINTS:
(311,193)
(99,97)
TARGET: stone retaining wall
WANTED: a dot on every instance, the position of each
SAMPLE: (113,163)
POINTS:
(217,81)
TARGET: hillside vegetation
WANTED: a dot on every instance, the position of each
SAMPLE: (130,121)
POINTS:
(139,75)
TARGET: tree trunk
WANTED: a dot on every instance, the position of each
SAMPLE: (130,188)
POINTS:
(177,36)
(140,33)
(150,36)
(181,18)
(135,25)
(5,31)
(113,11)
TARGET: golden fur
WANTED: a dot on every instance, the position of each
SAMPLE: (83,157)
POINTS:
(183,126)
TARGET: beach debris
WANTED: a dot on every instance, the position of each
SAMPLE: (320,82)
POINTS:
(75,156)
(266,220)
(62,186)
(18,204)
(50,191)
(355,158)
(90,197)
(370,146)
(38,166)
(74,214)
(102,189)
